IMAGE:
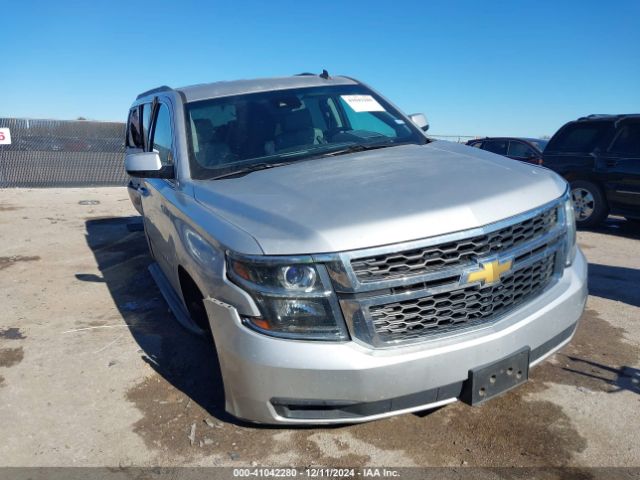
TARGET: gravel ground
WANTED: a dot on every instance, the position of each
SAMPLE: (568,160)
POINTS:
(94,371)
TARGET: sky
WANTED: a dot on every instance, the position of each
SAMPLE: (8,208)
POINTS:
(516,68)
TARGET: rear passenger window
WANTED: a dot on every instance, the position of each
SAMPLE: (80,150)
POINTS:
(579,137)
(628,141)
(162,135)
(134,134)
(496,146)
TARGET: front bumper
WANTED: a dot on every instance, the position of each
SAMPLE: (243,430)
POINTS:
(276,381)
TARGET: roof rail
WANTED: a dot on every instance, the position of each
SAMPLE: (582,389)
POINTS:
(624,116)
(596,115)
(617,118)
(324,74)
(163,88)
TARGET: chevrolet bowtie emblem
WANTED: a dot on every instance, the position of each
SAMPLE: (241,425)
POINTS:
(489,272)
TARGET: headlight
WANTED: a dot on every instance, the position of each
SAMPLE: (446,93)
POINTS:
(570,221)
(298,277)
(279,278)
(293,294)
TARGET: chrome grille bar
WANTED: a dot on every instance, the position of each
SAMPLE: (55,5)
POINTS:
(345,279)
(453,254)
(418,306)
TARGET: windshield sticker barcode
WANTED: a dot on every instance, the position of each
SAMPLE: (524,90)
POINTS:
(362,103)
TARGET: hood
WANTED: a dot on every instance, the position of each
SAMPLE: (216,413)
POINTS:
(377,197)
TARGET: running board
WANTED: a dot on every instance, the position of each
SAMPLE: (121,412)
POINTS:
(172,299)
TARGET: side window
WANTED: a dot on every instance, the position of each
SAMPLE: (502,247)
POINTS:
(496,146)
(579,137)
(162,135)
(627,141)
(476,144)
(146,122)
(520,150)
(134,134)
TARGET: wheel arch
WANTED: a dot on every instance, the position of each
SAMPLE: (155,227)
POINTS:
(191,292)
(186,279)
(586,176)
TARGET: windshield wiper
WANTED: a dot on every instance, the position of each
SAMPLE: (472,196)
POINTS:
(263,165)
(358,148)
(248,169)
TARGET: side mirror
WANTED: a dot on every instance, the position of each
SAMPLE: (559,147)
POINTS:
(147,165)
(420,120)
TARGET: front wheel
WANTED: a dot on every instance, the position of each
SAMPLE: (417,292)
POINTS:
(589,203)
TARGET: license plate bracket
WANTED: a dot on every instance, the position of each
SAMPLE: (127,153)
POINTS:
(496,378)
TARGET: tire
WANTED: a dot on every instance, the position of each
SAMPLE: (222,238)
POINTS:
(197,312)
(194,301)
(589,203)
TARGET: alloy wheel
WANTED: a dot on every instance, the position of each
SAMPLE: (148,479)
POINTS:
(583,203)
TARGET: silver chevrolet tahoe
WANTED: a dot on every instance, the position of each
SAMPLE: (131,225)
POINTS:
(347,267)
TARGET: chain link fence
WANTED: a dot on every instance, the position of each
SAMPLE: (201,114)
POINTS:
(62,153)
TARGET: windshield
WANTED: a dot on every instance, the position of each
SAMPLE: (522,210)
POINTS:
(540,144)
(232,133)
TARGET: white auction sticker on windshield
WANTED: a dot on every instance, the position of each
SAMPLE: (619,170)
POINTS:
(362,103)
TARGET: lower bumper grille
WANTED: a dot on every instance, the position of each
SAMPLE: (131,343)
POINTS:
(460,308)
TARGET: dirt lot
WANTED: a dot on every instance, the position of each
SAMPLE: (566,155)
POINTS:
(95,371)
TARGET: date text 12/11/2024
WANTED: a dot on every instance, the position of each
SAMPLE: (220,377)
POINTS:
(315,472)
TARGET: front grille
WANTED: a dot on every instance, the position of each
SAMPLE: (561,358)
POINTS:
(452,254)
(460,308)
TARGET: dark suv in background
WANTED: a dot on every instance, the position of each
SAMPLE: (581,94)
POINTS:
(523,149)
(600,157)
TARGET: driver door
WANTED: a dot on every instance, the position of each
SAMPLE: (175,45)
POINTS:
(158,194)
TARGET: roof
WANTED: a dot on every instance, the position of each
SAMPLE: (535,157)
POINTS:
(237,87)
(616,117)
